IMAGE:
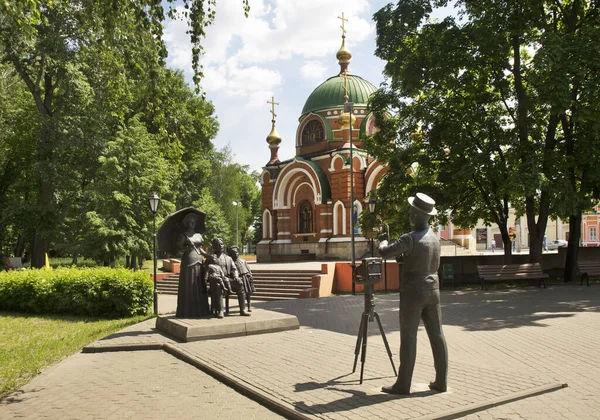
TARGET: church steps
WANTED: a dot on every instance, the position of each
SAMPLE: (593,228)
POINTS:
(269,284)
(284,274)
(266,296)
(281,284)
(168,286)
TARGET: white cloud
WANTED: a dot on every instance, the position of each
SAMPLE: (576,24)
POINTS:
(308,28)
(178,44)
(313,71)
(284,48)
(232,80)
(271,34)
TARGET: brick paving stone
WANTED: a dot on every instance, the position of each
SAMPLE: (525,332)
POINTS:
(530,332)
(132,385)
(500,342)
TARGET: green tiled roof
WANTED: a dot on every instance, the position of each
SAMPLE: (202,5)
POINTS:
(330,93)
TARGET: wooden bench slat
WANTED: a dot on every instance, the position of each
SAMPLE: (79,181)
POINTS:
(587,269)
(488,273)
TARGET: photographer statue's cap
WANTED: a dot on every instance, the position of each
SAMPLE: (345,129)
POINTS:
(423,203)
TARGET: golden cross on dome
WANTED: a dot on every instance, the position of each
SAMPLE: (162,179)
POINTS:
(273,103)
(343,21)
(346,76)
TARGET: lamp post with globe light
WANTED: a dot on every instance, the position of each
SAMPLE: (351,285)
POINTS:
(372,204)
(153,202)
(349,108)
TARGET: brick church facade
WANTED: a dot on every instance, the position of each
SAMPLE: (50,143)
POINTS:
(306,208)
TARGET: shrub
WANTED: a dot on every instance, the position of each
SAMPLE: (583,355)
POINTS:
(106,292)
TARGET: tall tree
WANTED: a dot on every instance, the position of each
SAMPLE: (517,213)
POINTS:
(50,43)
(480,92)
(231,182)
(18,130)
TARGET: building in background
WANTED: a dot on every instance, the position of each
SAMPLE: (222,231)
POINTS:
(306,208)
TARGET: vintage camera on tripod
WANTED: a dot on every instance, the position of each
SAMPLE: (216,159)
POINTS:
(369,272)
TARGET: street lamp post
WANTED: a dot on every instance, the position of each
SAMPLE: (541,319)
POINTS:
(153,202)
(372,204)
(349,108)
(237,205)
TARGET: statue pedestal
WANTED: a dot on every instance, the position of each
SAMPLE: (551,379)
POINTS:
(209,328)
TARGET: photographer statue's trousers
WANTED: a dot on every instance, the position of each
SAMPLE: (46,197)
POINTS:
(414,306)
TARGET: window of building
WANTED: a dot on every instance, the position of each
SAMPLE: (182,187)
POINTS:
(305,217)
(313,132)
(593,234)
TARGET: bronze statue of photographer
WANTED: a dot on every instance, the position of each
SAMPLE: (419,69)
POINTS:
(419,295)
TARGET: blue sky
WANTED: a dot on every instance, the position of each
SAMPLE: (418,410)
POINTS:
(285,48)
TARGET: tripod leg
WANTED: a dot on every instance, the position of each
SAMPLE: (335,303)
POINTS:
(358,342)
(363,354)
(387,346)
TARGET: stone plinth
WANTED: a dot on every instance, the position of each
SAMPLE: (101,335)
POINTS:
(209,328)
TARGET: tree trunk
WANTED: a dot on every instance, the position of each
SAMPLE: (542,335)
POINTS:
(506,243)
(537,229)
(19,247)
(573,247)
(74,260)
(42,242)
(127,261)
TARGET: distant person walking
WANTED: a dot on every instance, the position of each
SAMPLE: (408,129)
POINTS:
(493,245)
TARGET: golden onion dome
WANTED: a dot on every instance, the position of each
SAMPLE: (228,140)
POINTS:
(345,119)
(343,55)
(273,138)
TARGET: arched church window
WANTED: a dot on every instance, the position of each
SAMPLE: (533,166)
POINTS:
(305,217)
(313,132)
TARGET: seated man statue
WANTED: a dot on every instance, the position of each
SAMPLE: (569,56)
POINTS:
(230,274)
(219,285)
(244,273)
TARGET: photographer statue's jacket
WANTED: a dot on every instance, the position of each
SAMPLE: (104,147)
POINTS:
(421,251)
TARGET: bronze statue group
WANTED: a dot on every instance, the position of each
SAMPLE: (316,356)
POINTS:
(220,275)
(216,275)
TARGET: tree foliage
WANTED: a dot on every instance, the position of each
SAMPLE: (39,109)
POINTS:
(481,102)
(93,122)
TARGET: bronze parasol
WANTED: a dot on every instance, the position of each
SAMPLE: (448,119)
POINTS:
(172,227)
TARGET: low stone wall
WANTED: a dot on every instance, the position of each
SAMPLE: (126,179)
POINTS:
(342,282)
(464,267)
(172,265)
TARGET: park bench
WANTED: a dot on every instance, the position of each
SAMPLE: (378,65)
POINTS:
(587,269)
(500,273)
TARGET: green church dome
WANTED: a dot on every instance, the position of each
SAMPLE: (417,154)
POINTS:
(330,93)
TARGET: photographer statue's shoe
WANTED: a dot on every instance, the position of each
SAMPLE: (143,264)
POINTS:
(434,386)
(244,313)
(220,314)
(395,389)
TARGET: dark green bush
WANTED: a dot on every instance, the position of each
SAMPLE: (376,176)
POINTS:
(105,292)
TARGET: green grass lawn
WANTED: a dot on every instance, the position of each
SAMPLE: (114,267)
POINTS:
(30,343)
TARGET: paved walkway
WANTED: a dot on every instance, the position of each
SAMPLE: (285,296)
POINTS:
(502,345)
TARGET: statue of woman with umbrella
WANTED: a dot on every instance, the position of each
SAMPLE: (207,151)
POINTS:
(182,232)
